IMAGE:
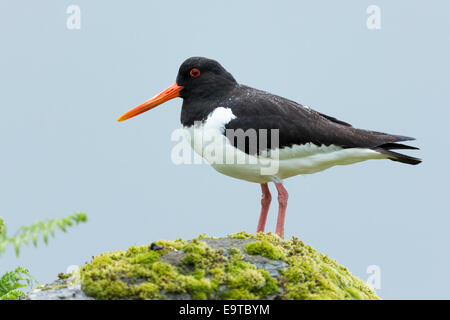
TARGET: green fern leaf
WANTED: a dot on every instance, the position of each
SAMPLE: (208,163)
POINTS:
(40,228)
(11,283)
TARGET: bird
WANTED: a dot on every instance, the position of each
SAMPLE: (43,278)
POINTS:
(253,135)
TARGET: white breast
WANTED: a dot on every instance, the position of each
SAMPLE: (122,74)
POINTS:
(207,140)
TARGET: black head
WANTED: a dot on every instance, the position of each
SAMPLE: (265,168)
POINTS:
(203,78)
(199,81)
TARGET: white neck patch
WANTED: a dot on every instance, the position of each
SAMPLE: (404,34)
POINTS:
(219,118)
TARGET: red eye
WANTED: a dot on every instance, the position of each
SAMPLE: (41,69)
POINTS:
(194,73)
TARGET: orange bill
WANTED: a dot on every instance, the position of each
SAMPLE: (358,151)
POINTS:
(171,92)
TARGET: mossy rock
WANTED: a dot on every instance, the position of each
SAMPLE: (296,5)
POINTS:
(241,266)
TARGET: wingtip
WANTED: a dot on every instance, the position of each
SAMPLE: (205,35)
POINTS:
(404,138)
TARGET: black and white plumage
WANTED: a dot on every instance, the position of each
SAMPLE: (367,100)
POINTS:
(214,105)
(309,141)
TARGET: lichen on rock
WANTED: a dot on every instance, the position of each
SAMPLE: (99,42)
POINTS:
(64,288)
(240,266)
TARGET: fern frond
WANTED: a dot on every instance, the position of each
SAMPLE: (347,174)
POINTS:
(2,227)
(42,228)
(13,295)
(11,283)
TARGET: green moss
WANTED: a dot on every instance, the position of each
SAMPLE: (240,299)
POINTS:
(193,268)
(241,235)
(63,276)
(312,275)
(200,256)
(245,281)
(266,249)
(171,245)
(52,287)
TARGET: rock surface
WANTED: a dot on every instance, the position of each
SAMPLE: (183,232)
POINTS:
(61,289)
(240,266)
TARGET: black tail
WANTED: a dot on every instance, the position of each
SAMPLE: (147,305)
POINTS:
(393,145)
(395,156)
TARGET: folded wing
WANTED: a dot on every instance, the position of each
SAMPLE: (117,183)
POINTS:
(298,125)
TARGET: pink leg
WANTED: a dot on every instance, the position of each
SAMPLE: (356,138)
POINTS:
(282,205)
(265,204)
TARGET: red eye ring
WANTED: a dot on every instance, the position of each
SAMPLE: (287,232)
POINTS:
(194,73)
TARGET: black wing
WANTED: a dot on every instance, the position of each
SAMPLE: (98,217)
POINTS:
(298,125)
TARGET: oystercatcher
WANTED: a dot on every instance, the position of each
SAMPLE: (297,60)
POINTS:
(256,136)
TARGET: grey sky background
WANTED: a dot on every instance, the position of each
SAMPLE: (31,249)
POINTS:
(62,149)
